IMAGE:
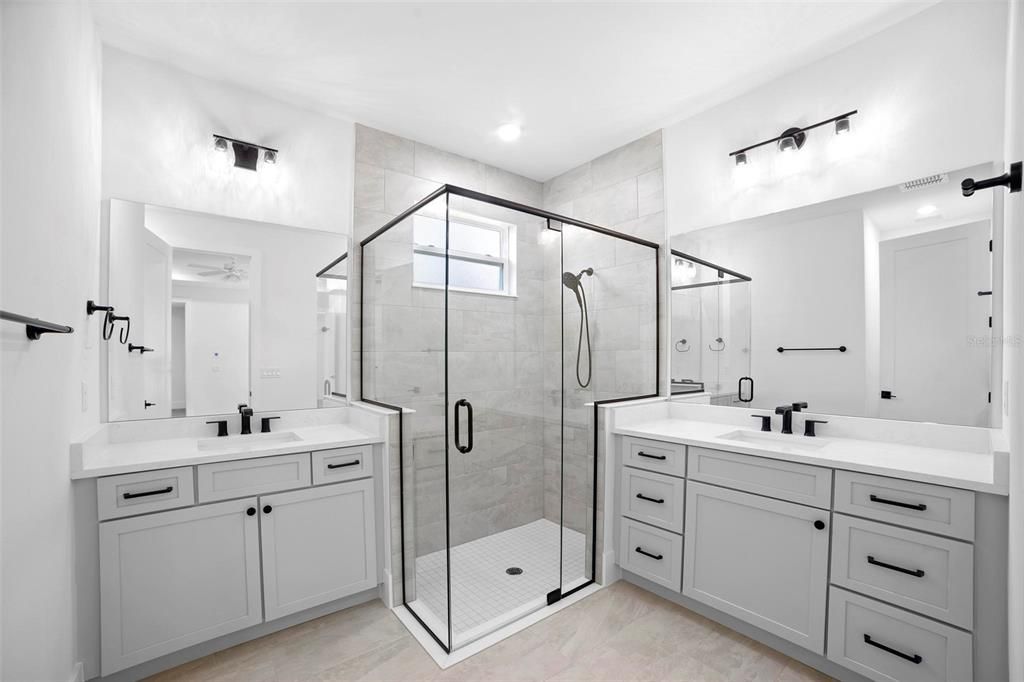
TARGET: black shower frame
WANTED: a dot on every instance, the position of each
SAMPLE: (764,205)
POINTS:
(447,191)
(722,272)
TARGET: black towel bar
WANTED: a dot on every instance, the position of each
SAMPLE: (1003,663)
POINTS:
(35,328)
(841,349)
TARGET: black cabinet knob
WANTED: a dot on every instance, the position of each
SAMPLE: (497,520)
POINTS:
(267,509)
(251,511)
(820,525)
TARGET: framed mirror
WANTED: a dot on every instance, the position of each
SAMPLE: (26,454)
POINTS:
(212,312)
(883,304)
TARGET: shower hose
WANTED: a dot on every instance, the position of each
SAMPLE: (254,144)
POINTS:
(584,323)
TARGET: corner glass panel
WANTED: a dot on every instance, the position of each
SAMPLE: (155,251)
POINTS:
(403,366)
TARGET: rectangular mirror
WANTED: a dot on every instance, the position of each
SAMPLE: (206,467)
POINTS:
(212,312)
(883,304)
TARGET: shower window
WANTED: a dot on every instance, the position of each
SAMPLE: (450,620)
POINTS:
(481,254)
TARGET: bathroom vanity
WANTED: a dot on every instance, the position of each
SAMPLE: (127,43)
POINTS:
(858,552)
(202,537)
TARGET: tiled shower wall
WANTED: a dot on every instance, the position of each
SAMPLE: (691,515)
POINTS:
(494,343)
(622,190)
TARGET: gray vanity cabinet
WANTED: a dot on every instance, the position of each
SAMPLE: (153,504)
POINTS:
(759,559)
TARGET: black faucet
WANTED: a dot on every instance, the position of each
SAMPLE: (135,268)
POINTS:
(787,417)
(246,413)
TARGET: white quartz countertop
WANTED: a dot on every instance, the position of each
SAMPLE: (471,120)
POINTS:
(89,460)
(979,471)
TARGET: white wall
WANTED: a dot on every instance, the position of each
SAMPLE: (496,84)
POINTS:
(1013,344)
(158,124)
(929,92)
(50,247)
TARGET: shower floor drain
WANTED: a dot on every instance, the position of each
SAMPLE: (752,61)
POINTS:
(514,570)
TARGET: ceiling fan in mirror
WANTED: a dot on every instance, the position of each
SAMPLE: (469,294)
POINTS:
(231,271)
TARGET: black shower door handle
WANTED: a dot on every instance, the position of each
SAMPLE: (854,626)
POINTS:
(462,402)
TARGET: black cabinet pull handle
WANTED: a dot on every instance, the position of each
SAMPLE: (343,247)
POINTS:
(641,453)
(655,500)
(267,509)
(894,503)
(147,493)
(251,511)
(345,464)
(913,658)
(656,557)
(916,572)
(462,402)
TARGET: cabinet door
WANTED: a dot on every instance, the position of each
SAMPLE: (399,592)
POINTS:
(176,578)
(319,544)
(761,560)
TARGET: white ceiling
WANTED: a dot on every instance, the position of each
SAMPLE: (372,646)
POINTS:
(581,78)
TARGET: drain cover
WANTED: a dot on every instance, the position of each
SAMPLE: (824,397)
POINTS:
(514,570)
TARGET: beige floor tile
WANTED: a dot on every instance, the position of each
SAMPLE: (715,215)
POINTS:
(619,633)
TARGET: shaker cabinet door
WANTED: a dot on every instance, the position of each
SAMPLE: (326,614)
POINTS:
(761,560)
(176,578)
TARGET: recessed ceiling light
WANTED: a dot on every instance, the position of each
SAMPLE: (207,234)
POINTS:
(927,210)
(509,132)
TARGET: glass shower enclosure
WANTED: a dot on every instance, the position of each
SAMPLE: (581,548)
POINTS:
(494,329)
(711,330)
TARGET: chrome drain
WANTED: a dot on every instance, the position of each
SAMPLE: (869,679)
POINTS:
(514,570)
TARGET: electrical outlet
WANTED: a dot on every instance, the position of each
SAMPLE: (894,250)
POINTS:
(271,373)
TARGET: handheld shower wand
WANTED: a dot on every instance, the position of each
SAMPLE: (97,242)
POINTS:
(574,283)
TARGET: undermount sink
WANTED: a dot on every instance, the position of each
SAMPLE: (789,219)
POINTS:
(777,440)
(249,442)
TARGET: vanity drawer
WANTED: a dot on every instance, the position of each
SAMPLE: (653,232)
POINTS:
(933,508)
(651,553)
(145,492)
(885,643)
(241,478)
(654,455)
(800,483)
(342,464)
(653,498)
(925,573)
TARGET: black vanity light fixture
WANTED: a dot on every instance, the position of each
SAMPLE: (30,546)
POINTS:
(246,153)
(793,139)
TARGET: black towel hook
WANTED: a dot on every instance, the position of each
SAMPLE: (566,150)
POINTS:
(1010,179)
(108,326)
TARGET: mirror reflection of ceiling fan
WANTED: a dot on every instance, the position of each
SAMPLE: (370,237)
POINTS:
(230,271)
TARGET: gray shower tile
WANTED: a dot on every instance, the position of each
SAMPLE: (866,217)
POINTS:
(369,188)
(608,206)
(651,192)
(628,161)
(446,168)
(402,191)
(568,186)
(377,148)
(506,185)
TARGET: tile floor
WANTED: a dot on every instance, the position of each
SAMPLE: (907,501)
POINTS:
(484,596)
(619,633)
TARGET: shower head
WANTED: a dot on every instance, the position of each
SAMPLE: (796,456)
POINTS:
(572,282)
